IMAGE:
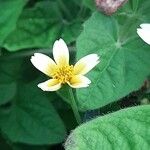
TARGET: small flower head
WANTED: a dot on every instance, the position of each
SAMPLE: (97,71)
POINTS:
(144,32)
(60,71)
(109,6)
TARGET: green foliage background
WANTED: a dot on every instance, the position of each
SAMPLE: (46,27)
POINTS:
(36,120)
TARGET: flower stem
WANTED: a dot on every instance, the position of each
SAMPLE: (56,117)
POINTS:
(74,106)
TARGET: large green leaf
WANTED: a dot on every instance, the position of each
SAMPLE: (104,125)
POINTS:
(126,129)
(10,10)
(31,118)
(124,56)
(37,27)
(40,26)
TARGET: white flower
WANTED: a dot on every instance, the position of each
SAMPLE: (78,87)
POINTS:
(144,32)
(60,71)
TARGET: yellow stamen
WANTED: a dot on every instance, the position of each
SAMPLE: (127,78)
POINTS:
(63,74)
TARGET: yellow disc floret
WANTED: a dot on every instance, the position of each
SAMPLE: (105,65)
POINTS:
(63,74)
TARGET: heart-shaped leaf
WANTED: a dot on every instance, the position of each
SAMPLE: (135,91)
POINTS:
(124,56)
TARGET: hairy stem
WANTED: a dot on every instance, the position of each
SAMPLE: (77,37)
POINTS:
(74,106)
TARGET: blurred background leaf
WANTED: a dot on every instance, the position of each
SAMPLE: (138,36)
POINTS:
(90,4)
(7,92)
(42,24)
(4,145)
(26,113)
(32,118)
(10,11)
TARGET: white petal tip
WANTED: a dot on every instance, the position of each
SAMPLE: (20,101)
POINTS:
(88,81)
(138,30)
(95,58)
(32,59)
(144,32)
(141,25)
(98,62)
(145,25)
(59,41)
(41,87)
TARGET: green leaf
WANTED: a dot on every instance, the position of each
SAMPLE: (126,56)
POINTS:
(28,147)
(4,145)
(124,56)
(7,92)
(70,32)
(127,129)
(90,4)
(40,26)
(37,27)
(10,70)
(64,93)
(31,118)
(10,11)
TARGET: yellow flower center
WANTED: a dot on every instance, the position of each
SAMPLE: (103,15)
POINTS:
(63,74)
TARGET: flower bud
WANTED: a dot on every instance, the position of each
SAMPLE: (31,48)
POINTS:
(109,6)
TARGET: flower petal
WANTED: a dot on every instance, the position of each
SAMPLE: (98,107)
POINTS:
(144,32)
(61,52)
(85,64)
(43,63)
(50,85)
(145,26)
(79,81)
